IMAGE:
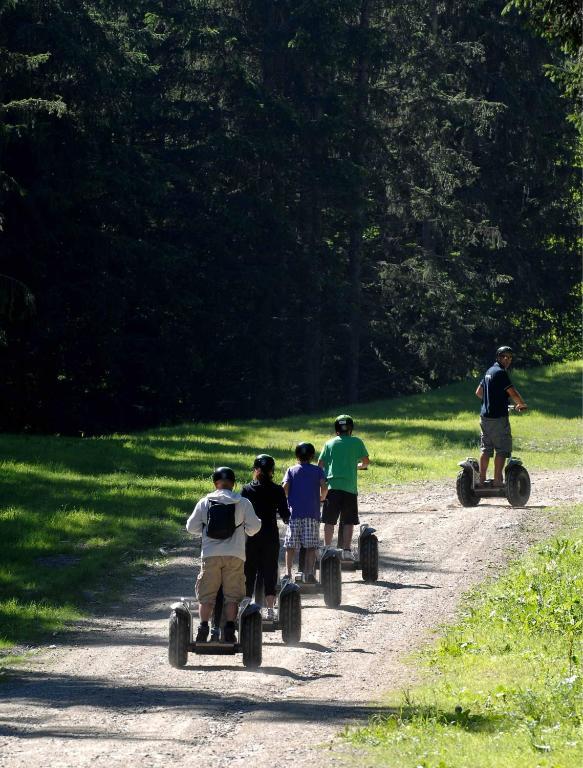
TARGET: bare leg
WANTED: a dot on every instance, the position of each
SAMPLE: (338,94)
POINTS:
(231,611)
(289,560)
(498,468)
(484,461)
(270,600)
(328,533)
(348,531)
(205,611)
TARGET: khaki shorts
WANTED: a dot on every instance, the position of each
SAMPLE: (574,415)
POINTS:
(496,435)
(227,571)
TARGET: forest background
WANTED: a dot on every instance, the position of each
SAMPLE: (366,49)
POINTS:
(212,208)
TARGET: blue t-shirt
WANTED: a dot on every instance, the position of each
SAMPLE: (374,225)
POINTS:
(495,384)
(303,496)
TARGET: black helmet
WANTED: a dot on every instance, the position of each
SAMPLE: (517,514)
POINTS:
(223,473)
(504,351)
(344,424)
(305,451)
(264,462)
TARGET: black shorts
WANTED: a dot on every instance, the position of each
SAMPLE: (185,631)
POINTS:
(340,504)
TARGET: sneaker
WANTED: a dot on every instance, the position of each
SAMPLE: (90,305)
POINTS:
(269,615)
(229,635)
(202,634)
(347,554)
(215,634)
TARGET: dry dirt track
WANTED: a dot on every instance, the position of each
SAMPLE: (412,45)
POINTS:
(109,698)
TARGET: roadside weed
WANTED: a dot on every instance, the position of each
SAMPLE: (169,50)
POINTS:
(504,685)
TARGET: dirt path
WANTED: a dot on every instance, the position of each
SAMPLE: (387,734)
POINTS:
(108,697)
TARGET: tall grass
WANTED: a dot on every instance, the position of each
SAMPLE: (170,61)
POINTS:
(505,685)
(76,515)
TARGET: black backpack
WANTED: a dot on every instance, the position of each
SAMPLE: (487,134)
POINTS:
(220,521)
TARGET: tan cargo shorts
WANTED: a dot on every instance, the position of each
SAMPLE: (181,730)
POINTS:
(227,571)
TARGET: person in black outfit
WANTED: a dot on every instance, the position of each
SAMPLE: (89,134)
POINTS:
(262,550)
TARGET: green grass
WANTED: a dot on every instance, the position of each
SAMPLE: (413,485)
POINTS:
(78,515)
(504,686)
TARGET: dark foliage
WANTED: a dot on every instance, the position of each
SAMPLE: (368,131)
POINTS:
(225,208)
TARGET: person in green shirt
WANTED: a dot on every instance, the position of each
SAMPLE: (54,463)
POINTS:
(340,458)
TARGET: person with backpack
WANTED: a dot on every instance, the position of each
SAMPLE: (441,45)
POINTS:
(262,551)
(340,458)
(305,486)
(224,519)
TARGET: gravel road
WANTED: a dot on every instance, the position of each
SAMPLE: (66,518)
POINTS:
(106,696)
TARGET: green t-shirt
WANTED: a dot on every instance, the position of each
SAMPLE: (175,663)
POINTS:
(340,457)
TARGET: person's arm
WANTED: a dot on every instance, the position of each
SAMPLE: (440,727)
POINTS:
(194,524)
(251,523)
(286,484)
(515,395)
(480,391)
(323,489)
(282,507)
(364,460)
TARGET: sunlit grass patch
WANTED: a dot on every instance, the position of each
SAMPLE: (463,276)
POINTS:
(504,686)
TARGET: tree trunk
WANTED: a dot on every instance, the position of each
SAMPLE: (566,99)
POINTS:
(357,217)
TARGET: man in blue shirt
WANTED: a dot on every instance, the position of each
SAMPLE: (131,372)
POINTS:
(494,391)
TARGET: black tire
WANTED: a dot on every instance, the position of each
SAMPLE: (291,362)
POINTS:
(517,486)
(463,486)
(302,560)
(331,581)
(252,640)
(290,617)
(259,594)
(178,639)
(369,559)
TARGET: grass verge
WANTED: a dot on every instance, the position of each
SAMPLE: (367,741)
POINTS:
(504,686)
(78,515)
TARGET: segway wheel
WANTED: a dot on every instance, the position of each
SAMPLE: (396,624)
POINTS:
(251,640)
(369,559)
(290,617)
(302,560)
(259,594)
(517,486)
(331,575)
(465,492)
(178,639)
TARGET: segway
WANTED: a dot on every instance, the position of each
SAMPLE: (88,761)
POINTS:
(329,580)
(516,487)
(287,612)
(366,557)
(180,641)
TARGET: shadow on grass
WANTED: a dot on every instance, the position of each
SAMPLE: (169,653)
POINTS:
(421,716)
